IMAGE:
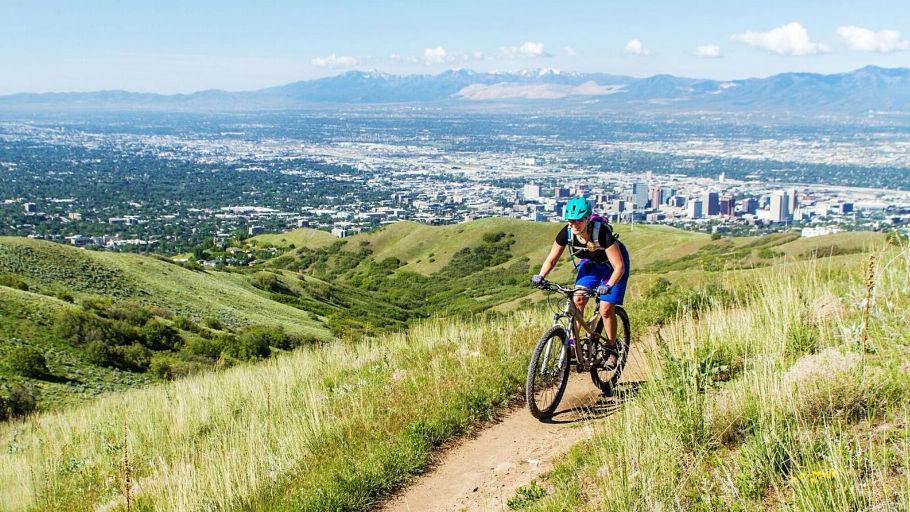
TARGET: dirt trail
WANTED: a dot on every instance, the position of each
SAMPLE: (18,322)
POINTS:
(483,472)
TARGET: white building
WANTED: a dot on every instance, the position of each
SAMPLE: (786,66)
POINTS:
(780,207)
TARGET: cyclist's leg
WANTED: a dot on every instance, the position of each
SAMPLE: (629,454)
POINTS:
(608,313)
(588,278)
(608,303)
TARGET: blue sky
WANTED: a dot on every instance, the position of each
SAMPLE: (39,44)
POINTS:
(182,46)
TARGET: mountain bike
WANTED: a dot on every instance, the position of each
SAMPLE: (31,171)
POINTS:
(563,345)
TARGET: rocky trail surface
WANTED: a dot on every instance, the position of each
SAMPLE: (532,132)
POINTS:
(482,472)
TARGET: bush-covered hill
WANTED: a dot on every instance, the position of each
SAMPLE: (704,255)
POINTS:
(107,321)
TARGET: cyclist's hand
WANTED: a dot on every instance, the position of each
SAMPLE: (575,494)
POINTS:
(537,279)
(603,289)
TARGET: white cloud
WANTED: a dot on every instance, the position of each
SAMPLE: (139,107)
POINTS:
(635,47)
(789,39)
(865,40)
(436,55)
(530,49)
(708,51)
(335,61)
(568,50)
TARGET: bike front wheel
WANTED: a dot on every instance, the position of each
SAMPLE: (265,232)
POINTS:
(606,380)
(548,373)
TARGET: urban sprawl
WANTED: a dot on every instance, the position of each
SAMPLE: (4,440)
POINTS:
(379,183)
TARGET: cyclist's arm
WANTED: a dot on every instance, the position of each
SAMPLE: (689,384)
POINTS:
(550,261)
(619,268)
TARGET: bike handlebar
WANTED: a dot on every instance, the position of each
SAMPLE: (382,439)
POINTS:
(565,290)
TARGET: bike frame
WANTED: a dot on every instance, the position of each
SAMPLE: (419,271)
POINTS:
(575,318)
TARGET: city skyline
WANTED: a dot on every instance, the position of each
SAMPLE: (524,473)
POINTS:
(171,47)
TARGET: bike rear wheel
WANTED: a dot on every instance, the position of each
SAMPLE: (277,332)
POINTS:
(548,373)
(606,380)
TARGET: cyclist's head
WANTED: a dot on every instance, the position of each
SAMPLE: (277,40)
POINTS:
(577,208)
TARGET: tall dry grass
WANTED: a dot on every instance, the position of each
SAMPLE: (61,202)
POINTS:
(773,404)
(329,428)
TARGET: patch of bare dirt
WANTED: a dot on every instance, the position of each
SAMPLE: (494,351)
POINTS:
(481,473)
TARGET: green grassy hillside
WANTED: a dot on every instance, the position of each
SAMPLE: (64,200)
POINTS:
(314,286)
(124,304)
(719,426)
(55,269)
(304,237)
(425,249)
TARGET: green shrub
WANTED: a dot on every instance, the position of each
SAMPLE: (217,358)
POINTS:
(130,313)
(206,347)
(267,281)
(132,357)
(28,362)
(80,327)
(184,323)
(96,303)
(64,296)
(213,323)
(98,352)
(493,251)
(17,400)
(769,253)
(123,333)
(12,281)
(158,336)
(169,367)
(254,343)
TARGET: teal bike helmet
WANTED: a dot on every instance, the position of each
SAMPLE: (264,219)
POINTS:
(576,208)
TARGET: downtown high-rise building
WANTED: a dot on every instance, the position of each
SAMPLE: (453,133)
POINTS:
(749,205)
(657,197)
(727,205)
(793,201)
(711,201)
(780,204)
(694,209)
(639,196)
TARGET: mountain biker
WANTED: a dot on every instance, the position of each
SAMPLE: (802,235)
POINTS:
(603,266)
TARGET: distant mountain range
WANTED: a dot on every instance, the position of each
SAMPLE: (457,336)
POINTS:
(867,89)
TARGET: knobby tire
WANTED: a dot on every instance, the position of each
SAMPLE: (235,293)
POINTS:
(606,381)
(556,334)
